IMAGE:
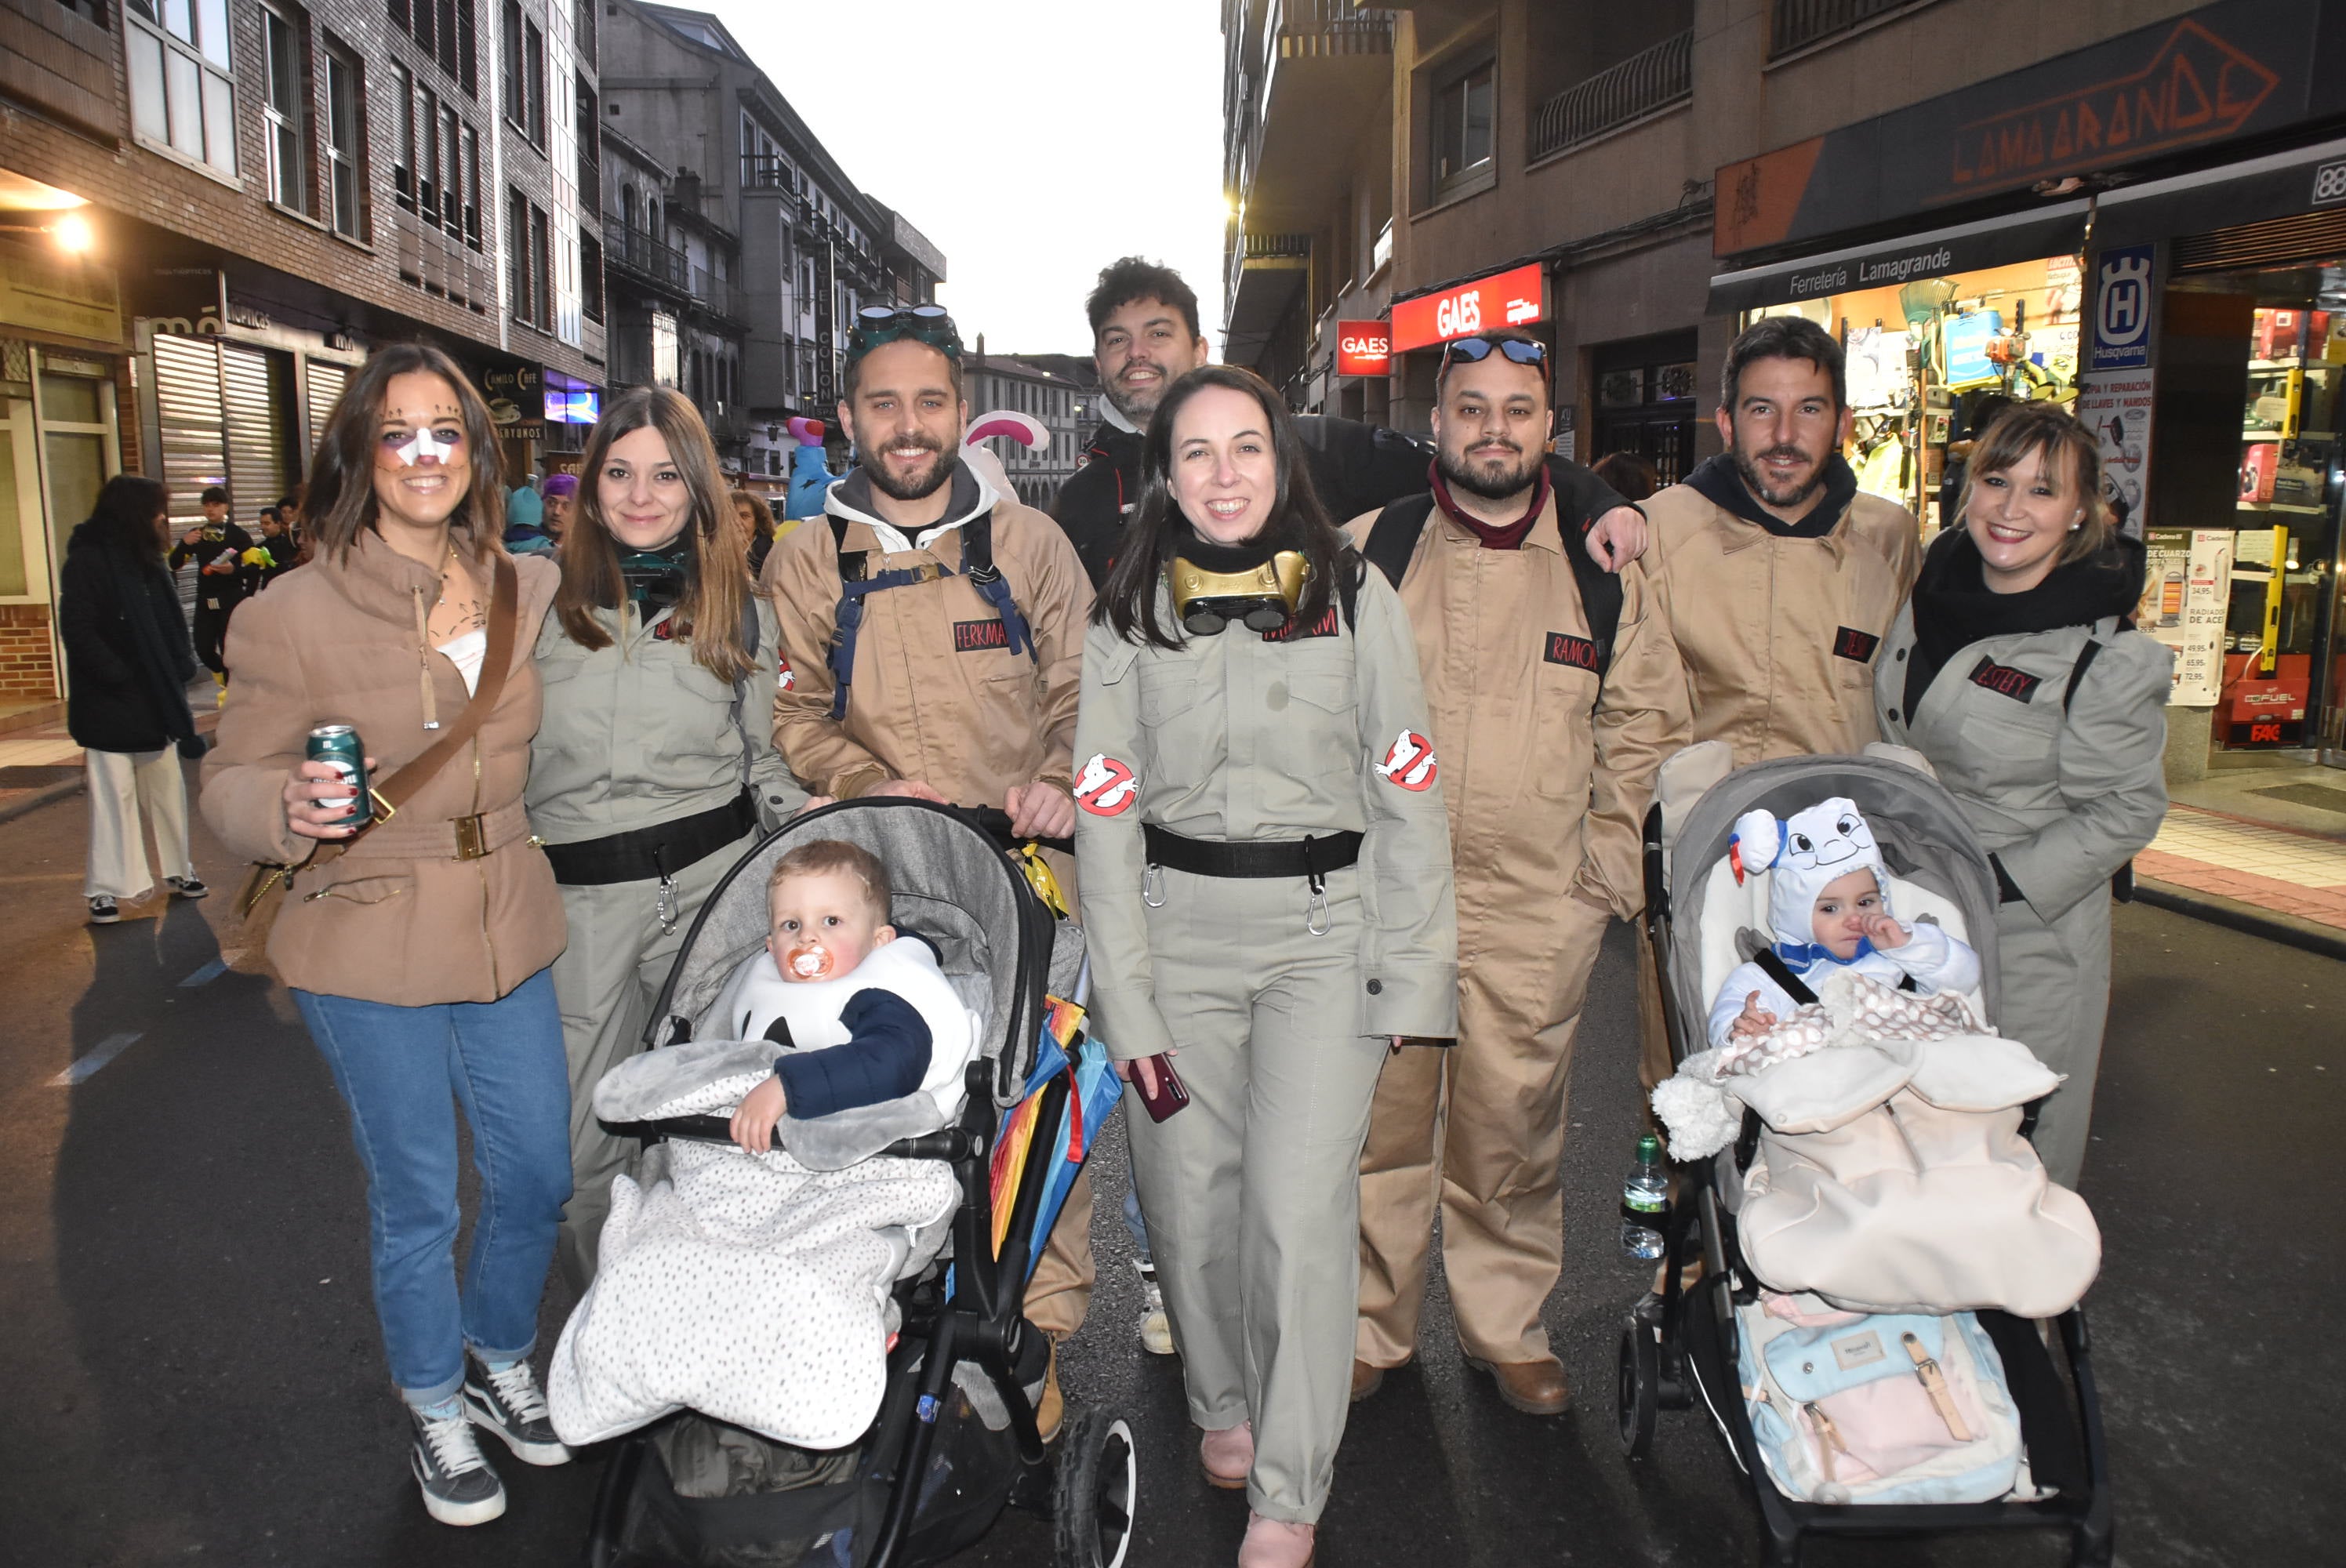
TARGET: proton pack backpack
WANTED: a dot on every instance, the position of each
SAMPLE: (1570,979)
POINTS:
(857,582)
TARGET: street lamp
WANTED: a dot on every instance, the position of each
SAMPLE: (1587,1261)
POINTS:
(73,233)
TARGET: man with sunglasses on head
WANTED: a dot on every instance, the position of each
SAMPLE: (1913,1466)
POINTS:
(931,641)
(1777,578)
(1146,337)
(1554,698)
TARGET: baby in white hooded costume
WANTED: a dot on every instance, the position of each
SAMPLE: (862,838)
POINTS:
(1829,907)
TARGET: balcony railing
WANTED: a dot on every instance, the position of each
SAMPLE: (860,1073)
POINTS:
(1307,27)
(1646,83)
(1276,247)
(765,171)
(639,252)
(713,291)
(1801,23)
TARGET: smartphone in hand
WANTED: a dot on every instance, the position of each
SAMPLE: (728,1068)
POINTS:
(1170,1094)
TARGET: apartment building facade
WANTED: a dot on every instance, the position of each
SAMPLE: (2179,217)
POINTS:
(210,210)
(794,248)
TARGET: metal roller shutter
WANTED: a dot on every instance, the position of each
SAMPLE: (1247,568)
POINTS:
(190,433)
(326,383)
(255,387)
(2277,241)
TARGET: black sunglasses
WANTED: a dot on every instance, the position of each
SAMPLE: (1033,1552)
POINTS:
(1476,350)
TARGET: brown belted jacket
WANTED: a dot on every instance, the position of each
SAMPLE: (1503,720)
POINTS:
(409,915)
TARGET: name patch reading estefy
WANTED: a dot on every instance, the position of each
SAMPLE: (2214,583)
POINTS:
(2005,681)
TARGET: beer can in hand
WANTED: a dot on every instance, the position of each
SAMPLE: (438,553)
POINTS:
(338,746)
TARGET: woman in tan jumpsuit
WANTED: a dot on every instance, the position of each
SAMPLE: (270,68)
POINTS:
(1265,865)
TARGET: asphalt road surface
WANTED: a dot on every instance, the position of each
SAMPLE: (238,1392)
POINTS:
(189,1369)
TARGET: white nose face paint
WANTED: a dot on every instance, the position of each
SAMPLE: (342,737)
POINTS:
(424,444)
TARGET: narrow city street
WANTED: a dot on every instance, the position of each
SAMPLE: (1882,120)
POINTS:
(193,1372)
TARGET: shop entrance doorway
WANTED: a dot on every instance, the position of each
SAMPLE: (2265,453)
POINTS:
(1645,402)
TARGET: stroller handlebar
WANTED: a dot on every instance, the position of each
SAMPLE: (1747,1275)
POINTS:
(951,1144)
(994,823)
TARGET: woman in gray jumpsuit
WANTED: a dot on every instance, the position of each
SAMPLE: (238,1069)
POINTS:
(654,765)
(1265,869)
(2016,670)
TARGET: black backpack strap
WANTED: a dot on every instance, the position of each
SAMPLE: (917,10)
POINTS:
(2086,656)
(852,568)
(977,564)
(1392,538)
(1600,591)
(1771,964)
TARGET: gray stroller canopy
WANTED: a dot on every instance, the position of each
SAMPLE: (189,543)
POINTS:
(1922,832)
(953,884)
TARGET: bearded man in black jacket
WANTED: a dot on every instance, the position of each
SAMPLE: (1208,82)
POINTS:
(1146,337)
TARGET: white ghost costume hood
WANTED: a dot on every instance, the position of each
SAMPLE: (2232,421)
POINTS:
(756,994)
(1805,853)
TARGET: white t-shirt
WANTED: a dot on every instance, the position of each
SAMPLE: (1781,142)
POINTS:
(468,653)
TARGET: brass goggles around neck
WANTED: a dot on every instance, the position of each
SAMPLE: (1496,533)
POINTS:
(1262,597)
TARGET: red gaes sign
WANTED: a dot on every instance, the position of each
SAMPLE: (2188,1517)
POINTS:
(1363,349)
(1502,300)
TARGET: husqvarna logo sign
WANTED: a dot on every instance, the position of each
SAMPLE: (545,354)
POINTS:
(2123,301)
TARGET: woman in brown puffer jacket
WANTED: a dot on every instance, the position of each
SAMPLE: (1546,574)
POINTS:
(418,956)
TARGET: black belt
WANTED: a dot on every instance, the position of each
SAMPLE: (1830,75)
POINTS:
(1311,858)
(662,849)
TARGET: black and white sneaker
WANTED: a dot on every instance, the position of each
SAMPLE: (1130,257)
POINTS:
(508,1403)
(103,911)
(188,886)
(459,1487)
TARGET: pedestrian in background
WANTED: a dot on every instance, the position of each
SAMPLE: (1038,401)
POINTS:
(127,664)
(654,768)
(558,503)
(417,948)
(524,534)
(1629,474)
(217,548)
(756,521)
(2016,669)
(1265,865)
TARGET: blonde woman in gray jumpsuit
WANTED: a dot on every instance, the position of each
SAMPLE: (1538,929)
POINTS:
(1265,865)
(2015,669)
(655,766)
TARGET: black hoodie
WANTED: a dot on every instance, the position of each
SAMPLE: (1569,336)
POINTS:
(1955,607)
(128,659)
(1720,482)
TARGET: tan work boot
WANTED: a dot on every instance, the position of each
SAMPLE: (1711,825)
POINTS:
(1052,1408)
(1366,1380)
(1536,1388)
(1276,1544)
(1227,1456)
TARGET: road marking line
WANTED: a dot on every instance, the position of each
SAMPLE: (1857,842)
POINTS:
(205,975)
(83,1067)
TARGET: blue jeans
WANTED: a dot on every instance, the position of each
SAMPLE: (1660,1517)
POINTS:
(1134,1223)
(398,1068)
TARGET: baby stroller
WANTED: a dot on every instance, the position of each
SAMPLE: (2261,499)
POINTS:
(1682,1342)
(954,1438)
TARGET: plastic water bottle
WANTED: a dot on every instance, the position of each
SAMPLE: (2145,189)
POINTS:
(1644,1202)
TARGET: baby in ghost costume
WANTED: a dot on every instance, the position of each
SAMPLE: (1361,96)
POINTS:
(1828,906)
(863,1013)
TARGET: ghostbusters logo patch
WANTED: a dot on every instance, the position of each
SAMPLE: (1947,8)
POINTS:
(785,676)
(1105,787)
(1410,764)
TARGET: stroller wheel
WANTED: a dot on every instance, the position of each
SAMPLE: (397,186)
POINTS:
(1098,1487)
(1639,1390)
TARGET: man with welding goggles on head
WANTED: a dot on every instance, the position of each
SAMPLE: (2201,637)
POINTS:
(932,643)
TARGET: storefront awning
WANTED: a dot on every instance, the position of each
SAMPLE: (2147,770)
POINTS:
(2280,185)
(2055,231)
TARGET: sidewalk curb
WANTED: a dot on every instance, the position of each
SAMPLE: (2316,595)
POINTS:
(2273,926)
(47,794)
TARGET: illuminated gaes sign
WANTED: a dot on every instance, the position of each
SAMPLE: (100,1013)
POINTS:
(1508,298)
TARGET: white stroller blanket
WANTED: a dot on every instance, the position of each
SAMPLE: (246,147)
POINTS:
(745,1287)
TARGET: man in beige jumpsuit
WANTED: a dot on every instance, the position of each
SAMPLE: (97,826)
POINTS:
(1547,767)
(1776,579)
(948,699)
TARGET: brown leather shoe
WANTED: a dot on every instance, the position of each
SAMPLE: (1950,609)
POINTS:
(1536,1388)
(1366,1380)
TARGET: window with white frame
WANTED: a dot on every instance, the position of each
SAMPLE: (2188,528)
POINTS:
(285,112)
(403,162)
(182,97)
(345,143)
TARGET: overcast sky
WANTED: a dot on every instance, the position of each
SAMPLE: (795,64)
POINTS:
(1031,152)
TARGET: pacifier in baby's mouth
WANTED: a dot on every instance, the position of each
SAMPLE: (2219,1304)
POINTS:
(807,961)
